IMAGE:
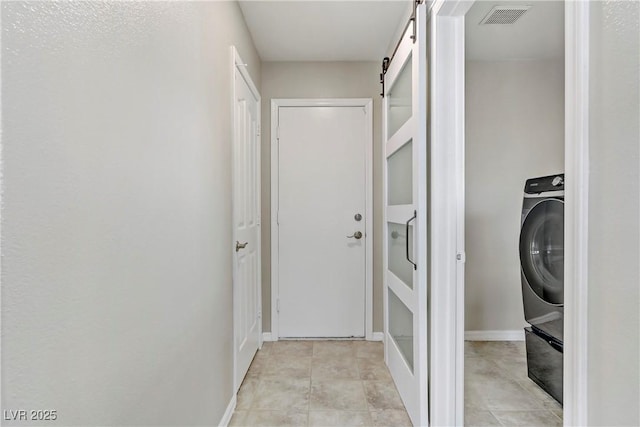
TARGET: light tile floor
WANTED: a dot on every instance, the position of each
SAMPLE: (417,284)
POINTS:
(319,383)
(498,391)
(345,383)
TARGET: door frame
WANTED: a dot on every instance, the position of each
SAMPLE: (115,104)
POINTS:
(367,105)
(448,205)
(241,66)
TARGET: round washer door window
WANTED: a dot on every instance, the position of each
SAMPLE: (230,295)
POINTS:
(542,250)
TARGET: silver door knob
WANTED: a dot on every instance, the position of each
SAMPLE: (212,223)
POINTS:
(241,245)
(356,235)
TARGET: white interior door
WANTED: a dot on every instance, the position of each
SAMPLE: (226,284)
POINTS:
(321,220)
(405,225)
(246,220)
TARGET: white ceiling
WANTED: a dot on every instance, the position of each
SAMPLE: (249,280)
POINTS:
(538,34)
(345,30)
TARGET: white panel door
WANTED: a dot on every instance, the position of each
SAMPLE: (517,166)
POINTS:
(405,223)
(322,187)
(246,220)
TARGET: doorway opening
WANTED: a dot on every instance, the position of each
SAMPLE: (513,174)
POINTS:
(514,132)
(448,147)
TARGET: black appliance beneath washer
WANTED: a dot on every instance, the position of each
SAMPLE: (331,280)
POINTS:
(544,361)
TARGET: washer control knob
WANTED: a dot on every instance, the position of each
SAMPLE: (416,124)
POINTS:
(557,181)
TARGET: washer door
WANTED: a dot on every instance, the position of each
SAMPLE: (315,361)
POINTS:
(542,250)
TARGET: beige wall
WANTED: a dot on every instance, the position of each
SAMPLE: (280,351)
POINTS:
(116,213)
(614,215)
(320,80)
(514,131)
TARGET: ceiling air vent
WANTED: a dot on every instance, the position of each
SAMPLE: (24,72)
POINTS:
(504,15)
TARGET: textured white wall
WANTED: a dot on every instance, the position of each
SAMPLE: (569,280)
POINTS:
(320,80)
(614,215)
(514,131)
(116,216)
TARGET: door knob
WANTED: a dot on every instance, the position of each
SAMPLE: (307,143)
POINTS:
(241,245)
(356,235)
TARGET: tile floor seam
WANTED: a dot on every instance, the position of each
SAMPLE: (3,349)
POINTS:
(555,415)
(498,419)
(309,397)
(366,399)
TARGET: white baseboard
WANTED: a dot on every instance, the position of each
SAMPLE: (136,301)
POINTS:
(377,336)
(226,418)
(517,335)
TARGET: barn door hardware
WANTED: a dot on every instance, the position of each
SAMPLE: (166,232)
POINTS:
(414,36)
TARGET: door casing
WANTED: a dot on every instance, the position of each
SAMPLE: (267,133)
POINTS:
(367,105)
(447,147)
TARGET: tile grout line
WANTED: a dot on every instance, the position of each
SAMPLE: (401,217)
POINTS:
(366,399)
(556,416)
(310,384)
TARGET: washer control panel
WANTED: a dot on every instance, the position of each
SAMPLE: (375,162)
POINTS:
(545,183)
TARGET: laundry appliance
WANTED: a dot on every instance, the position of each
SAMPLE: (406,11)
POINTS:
(542,277)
